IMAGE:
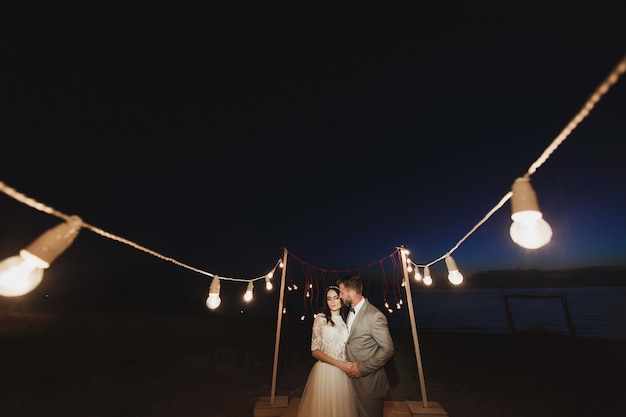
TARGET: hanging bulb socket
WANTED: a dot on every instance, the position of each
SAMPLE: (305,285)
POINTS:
(213,300)
(524,198)
(55,241)
(529,229)
(454,275)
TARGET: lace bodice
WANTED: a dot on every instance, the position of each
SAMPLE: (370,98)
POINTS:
(330,339)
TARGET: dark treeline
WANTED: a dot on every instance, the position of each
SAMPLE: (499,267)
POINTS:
(602,276)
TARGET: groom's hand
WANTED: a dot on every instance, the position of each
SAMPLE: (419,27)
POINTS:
(353,372)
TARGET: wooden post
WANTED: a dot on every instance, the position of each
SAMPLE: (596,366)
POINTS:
(409,298)
(568,316)
(509,315)
(279,324)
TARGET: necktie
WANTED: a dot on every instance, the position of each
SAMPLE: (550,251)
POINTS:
(352,310)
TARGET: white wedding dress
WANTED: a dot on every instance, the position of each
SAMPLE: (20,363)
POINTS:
(328,391)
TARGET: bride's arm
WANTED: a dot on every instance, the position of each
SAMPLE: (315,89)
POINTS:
(319,355)
(316,345)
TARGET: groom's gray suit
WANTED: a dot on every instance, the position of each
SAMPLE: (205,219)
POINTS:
(370,345)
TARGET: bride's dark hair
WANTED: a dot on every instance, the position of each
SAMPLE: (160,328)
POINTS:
(326,310)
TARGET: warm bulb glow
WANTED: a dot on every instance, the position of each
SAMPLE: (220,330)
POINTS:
(417,276)
(530,230)
(268,282)
(20,274)
(427,278)
(454,276)
(248,295)
(213,301)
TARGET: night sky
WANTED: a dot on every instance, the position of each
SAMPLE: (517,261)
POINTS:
(219,135)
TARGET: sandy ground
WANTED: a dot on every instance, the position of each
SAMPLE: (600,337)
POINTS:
(157,365)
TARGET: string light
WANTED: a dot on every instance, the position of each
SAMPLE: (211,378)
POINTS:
(268,281)
(20,274)
(417,276)
(249,289)
(529,229)
(213,301)
(427,278)
(454,276)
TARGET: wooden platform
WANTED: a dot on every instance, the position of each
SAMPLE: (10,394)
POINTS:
(392,409)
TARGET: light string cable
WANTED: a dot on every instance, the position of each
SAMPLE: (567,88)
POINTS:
(613,77)
(11,192)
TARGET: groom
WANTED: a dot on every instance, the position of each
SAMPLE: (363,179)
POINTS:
(369,348)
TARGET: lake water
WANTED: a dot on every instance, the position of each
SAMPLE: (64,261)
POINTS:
(596,312)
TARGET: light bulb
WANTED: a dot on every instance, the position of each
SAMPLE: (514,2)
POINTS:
(22,273)
(427,278)
(454,275)
(248,295)
(529,229)
(213,301)
(417,276)
(268,282)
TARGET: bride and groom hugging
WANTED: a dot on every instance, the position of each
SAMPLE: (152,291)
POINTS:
(352,343)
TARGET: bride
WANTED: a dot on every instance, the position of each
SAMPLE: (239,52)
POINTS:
(328,391)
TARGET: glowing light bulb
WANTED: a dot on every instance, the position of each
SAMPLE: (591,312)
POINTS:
(213,301)
(417,276)
(529,229)
(427,278)
(22,273)
(268,281)
(248,295)
(454,275)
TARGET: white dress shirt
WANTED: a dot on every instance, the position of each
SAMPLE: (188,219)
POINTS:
(352,315)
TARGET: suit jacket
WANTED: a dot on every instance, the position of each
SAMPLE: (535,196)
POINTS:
(370,345)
